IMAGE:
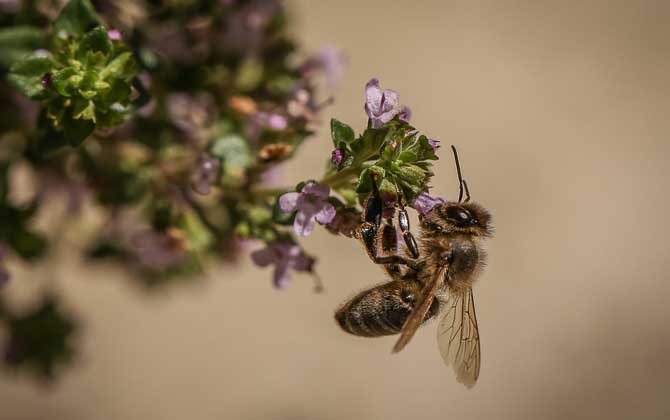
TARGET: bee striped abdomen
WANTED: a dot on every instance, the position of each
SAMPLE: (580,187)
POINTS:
(381,310)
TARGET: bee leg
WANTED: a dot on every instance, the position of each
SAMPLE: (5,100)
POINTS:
(410,242)
(373,234)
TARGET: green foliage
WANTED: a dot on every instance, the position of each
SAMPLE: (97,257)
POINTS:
(85,82)
(393,156)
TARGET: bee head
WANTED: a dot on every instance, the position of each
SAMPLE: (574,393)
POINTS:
(469,218)
(460,217)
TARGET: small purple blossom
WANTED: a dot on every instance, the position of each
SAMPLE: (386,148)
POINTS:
(114,35)
(284,256)
(405,114)
(381,105)
(330,60)
(206,173)
(435,144)
(311,204)
(47,81)
(337,157)
(424,203)
(158,250)
(270,120)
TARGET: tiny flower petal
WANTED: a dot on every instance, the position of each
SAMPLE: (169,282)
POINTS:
(263,257)
(277,122)
(373,97)
(288,202)
(337,157)
(405,114)
(280,277)
(424,203)
(303,224)
(435,144)
(114,35)
(319,190)
(326,214)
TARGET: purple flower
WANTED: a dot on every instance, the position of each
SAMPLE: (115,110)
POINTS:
(330,60)
(333,63)
(114,35)
(435,144)
(47,81)
(381,105)
(337,157)
(284,256)
(205,174)
(269,120)
(191,113)
(158,250)
(405,114)
(424,203)
(311,203)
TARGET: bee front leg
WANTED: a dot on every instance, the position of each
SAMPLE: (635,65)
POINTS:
(410,242)
(373,234)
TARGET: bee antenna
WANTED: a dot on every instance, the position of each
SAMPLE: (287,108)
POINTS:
(461,182)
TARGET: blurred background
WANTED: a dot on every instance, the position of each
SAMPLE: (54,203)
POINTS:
(559,110)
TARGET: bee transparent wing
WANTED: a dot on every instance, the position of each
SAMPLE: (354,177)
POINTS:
(420,310)
(458,337)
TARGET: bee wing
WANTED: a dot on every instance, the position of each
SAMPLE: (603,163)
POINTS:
(458,337)
(415,319)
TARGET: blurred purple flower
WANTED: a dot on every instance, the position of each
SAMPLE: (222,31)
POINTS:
(381,105)
(284,256)
(191,113)
(424,203)
(405,114)
(170,41)
(245,28)
(435,144)
(337,157)
(330,60)
(311,204)
(158,250)
(10,6)
(114,35)
(205,174)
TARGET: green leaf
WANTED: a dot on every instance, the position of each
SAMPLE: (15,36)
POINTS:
(28,245)
(84,110)
(368,146)
(121,67)
(75,131)
(64,82)
(76,18)
(199,237)
(341,132)
(407,157)
(26,75)
(94,41)
(249,74)
(412,174)
(365,180)
(17,42)
(235,153)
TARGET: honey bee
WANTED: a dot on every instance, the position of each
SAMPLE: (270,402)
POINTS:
(436,278)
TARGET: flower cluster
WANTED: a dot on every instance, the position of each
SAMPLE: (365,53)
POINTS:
(171,123)
(168,121)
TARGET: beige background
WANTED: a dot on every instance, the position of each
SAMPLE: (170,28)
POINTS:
(560,110)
